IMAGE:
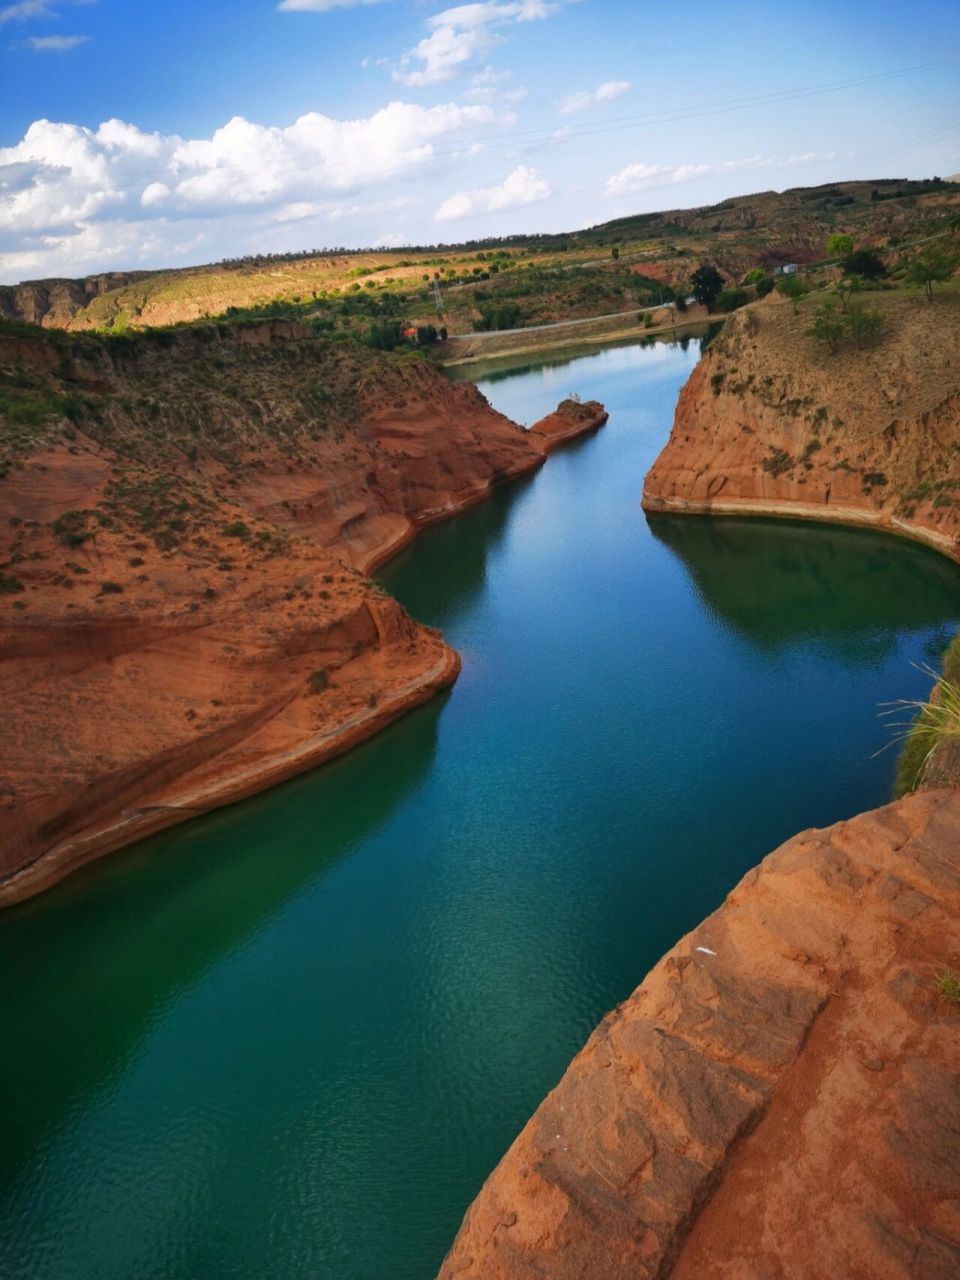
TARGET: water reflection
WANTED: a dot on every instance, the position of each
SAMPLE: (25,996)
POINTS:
(780,584)
(76,998)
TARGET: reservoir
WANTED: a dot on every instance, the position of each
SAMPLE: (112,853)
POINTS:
(289,1040)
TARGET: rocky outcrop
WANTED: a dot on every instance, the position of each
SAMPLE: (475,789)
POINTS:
(779,1096)
(54,303)
(186,521)
(572,418)
(767,424)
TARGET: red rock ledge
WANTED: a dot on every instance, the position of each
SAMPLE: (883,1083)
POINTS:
(778,1100)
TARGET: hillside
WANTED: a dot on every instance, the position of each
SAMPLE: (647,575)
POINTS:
(773,423)
(523,281)
(183,613)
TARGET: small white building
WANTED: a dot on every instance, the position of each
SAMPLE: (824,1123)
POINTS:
(790,268)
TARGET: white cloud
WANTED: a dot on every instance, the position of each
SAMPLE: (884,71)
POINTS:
(320,6)
(72,197)
(25,10)
(489,85)
(460,36)
(522,187)
(55,44)
(609,91)
(641,177)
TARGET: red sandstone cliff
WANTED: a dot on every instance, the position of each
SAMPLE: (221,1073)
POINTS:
(778,1099)
(771,425)
(186,518)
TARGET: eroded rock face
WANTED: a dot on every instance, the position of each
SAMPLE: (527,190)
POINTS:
(186,519)
(778,1099)
(769,424)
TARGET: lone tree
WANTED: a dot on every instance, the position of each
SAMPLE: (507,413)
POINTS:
(839,245)
(866,325)
(933,265)
(614,253)
(865,263)
(827,326)
(792,288)
(706,285)
(846,286)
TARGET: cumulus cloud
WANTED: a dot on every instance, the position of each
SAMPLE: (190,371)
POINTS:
(460,36)
(609,91)
(522,187)
(71,196)
(56,44)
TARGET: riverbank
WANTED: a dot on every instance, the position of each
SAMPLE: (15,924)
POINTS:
(770,423)
(604,330)
(705,1127)
(185,618)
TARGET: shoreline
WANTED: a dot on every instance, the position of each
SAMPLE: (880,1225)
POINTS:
(132,825)
(634,333)
(848,517)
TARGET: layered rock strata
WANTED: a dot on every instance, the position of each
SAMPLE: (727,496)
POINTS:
(770,424)
(185,521)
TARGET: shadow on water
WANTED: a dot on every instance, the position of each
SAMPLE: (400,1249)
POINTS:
(850,590)
(79,1003)
(440,576)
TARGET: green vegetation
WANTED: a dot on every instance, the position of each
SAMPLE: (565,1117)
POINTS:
(71,529)
(730,299)
(933,265)
(864,263)
(706,285)
(948,985)
(10,586)
(839,245)
(827,326)
(930,723)
(111,588)
(236,529)
(864,324)
(792,288)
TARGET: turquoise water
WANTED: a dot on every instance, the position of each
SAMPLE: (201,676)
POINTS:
(291,1039)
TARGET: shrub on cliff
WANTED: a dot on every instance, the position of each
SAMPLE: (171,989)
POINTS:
(827,326)
(865,325)
(931,723)
(730,300)
(792,288)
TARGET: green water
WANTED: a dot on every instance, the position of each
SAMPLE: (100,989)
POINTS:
(290,1040)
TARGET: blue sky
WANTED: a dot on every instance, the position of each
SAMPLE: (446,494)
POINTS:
(168,134)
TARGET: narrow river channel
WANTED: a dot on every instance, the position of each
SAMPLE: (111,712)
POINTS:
(290,1040)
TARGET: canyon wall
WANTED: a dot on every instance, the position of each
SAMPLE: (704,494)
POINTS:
(185,521)
(771,424)
(776,1101)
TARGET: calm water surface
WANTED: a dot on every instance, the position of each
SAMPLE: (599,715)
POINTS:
(291,1039)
